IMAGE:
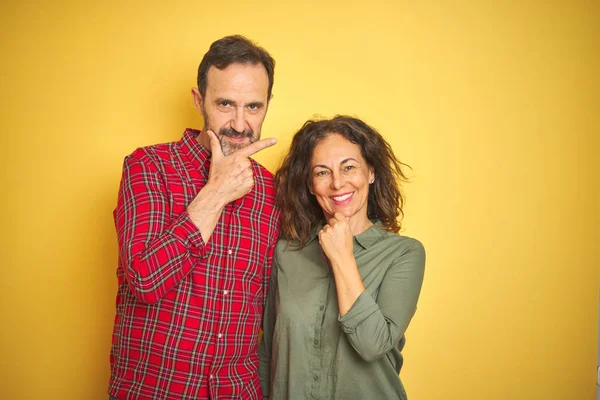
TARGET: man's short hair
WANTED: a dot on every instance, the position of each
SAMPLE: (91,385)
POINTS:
(234,49)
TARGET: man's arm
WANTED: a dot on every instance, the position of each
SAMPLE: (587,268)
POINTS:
(230,178)
(155,250)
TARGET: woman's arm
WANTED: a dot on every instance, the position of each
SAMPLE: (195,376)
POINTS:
(337,242)
(375,327)
(264,366)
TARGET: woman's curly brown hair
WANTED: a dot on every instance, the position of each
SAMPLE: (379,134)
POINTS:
(300,211)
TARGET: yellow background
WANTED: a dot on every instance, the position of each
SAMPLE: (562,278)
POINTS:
(494,104)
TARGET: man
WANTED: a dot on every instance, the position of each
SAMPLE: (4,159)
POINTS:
(196,227)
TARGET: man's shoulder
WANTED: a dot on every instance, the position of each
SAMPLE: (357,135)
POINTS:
(156,154)
(263,174)
(262,169)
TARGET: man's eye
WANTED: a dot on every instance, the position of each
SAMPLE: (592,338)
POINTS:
(253,107)
(225,104)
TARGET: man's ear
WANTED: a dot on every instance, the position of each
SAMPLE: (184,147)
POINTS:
(198,101)
(269,102)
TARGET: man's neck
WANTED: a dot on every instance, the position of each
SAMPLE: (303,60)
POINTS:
(202,138)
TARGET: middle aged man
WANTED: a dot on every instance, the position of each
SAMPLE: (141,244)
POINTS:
(196,227)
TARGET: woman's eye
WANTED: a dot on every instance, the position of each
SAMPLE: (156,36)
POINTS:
(322,173)
(349,167)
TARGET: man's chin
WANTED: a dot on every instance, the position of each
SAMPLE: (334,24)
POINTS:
(231,145)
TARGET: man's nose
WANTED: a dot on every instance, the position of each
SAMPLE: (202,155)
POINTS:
(238,121)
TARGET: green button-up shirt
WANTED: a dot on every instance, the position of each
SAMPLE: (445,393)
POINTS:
(309,352)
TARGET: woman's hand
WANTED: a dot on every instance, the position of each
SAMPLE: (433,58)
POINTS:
(336,240)
(337,243)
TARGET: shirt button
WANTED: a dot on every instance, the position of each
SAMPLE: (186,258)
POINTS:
(230,252)
(225,292)
(316,378)
(219,335)
(321,308)
(316,342)
(211,376)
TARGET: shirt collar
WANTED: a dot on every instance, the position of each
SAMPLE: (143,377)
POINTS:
(366,239)
(198,155)
(371,235)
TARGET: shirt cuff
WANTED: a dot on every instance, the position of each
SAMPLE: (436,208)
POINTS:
(186,232)
(362,308)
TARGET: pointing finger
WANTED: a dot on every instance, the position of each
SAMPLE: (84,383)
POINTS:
(256,147)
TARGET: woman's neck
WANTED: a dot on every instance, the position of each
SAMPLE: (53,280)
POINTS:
(358,227)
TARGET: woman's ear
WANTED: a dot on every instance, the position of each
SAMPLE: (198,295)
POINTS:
(371,175)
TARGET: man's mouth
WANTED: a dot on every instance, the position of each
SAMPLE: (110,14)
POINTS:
(237,139)
(234,135)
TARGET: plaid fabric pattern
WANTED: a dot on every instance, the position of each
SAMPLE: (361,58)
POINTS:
(188,313)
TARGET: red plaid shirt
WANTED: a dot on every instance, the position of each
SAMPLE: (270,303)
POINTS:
(188,312)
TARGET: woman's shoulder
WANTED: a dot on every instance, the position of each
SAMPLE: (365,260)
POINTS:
(287,248)
(284,245)
(402,243)
(404,252)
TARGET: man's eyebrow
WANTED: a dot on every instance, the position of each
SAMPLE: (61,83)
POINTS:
(256,103)
(224,99)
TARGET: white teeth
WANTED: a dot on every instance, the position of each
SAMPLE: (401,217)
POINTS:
(342,198)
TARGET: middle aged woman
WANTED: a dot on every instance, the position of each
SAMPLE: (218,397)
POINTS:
(344,285)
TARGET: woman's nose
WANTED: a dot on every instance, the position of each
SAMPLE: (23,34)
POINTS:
(337,182)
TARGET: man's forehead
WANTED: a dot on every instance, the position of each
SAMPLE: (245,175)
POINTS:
(238,78)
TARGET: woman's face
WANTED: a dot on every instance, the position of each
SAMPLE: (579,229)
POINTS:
(340,179)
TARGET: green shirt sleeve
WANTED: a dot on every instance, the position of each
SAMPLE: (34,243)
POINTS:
(264,367)
(376,322)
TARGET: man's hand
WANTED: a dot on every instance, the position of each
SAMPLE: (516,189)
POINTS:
(231,176)
(229,179)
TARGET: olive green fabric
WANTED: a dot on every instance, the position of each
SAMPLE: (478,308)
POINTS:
(309,352)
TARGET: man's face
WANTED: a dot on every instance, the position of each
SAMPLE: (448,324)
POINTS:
(235,104)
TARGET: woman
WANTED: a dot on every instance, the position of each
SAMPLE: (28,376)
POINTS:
(344,284)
